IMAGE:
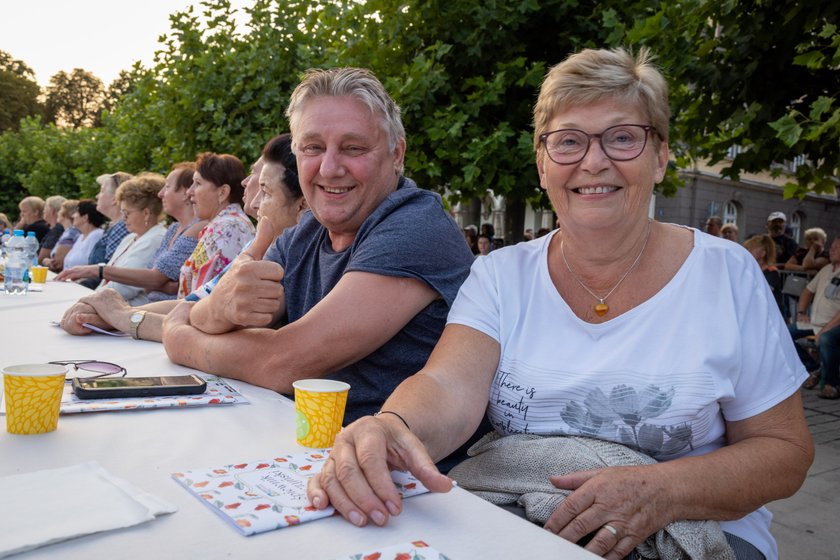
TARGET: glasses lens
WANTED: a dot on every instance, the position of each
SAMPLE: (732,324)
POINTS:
(105,368)
(624,142)
(566,146)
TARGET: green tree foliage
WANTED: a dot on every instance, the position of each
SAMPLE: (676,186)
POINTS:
(74,100)
(18,92)
(761,75)
(212,87)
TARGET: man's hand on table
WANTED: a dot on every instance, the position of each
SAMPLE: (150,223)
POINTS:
(356,478)
(249,294)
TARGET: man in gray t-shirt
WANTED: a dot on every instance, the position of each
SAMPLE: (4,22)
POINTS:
(361,286)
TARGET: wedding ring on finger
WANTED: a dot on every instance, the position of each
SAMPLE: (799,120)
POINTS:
(611,529)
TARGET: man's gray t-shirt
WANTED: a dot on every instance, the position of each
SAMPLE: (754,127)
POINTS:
(410,235)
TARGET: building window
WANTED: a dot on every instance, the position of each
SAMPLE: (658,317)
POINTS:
(733,151)
(796,222)
(730,213)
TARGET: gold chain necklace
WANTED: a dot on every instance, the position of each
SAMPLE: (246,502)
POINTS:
(601,308)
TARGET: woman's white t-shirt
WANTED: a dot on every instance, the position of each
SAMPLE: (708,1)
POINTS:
(661,378)
(80,251)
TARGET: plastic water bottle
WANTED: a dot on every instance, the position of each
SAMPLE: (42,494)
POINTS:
(32,247)
(17,264)
(3,240)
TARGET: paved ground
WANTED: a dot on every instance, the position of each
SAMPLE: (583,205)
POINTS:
(807,525)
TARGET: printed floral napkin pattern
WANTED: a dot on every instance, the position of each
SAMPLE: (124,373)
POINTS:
(414,550)
(219,392)
(261,496)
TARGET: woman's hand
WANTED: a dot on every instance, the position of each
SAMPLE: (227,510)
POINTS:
(633,501)
(356,478)
(111,307)
(78,273)
(78,314)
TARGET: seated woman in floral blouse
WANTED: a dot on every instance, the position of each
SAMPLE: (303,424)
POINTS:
(216,194)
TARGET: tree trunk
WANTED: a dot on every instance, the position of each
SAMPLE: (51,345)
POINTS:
(514,221)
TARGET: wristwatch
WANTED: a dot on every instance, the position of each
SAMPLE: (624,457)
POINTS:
(101,270)
(135,320)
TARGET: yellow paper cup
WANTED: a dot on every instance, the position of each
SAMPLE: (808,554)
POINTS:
(320,410)
(38,275)
(33,395)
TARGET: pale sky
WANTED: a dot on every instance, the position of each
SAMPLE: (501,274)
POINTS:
(101,36)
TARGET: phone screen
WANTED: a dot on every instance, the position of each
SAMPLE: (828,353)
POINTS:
(102,388)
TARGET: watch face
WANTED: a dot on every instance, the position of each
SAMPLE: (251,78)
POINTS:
(135,317)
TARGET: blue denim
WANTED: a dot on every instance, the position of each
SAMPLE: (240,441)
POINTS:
(830,356)
(806,359)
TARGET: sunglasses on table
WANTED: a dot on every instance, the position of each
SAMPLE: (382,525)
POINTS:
(91,368)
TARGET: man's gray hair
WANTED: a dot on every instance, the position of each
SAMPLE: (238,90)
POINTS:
(358,83)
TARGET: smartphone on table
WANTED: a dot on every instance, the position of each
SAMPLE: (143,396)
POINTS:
(121,387)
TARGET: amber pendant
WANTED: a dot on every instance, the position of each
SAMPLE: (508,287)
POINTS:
(601,309)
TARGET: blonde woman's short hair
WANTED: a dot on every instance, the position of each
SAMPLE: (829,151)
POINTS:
(593,75)
(818,232)
(141,192)
(54,203)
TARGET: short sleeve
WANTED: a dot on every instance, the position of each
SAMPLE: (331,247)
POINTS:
(770,370)
(412,236)
(477,303)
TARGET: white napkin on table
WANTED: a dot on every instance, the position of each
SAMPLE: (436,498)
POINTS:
(54,505)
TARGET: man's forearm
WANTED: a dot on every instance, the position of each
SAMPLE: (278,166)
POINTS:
(237,355)
(208,318)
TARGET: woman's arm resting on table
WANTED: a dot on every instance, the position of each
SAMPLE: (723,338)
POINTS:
(443,404)
(766,459)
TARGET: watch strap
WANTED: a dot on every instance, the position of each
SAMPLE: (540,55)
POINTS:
(136,320)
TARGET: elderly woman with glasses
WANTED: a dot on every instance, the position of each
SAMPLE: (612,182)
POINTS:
(651,346)
(140,210)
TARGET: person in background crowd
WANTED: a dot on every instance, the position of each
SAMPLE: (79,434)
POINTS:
(713,225)
(762,248)
(217,195)
(813,256)
(361,286)
(89,222)
(114,229)
(485,244)
(543,231)
(5,223)
(108,310)
(55,260)
(52,206)
(489,231)
(822,295)
(528,235)
(785,245)
(181,235)
(140,209)
(472,240)
(730,232)
(32,217)
(574,335)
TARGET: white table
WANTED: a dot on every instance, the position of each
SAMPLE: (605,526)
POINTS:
(145,447)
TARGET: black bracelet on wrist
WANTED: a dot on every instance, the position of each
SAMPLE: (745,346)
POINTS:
(395,414)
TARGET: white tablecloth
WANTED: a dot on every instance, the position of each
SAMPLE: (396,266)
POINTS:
(145,447)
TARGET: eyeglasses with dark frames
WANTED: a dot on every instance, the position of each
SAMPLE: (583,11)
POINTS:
(99,369)
(622,142)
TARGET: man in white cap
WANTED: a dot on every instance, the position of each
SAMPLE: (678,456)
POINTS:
(785,246)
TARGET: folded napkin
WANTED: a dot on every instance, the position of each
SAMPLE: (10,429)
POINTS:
(54,505)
